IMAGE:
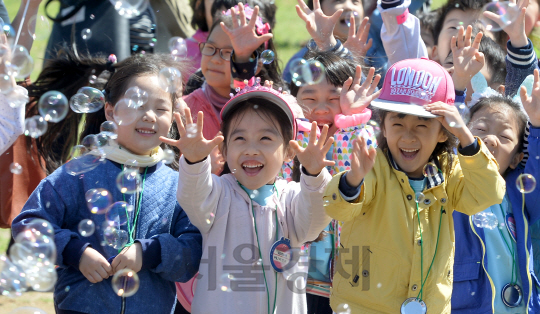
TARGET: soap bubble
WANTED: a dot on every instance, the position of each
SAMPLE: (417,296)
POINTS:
(87,100)
(86,34)
(254,194)
(102,139)
(209,217)
(27,310)
(419,197)
(83,164)
(129,8)
(90,142)
(98,200)
(526,183)
(485,220)
(6,84)
(18,97)
(137,95)
(92,79)
(40,227)
(41,278)
(35,126)
(32,251)
(343,308)
(224,282)
(191,130)
(12,278)
(21,64)
(178,47)
(430,169)
(125,282)
(170,79)
(38,22)
(453,122)
(129,181)
(507,11)
(115,237)
(306,72)
(109,128)
(131,164)
(86,227)
(117,214)
(168,156)
(15,168)
(125,112)
(311,45)
(267,56)
(53,106)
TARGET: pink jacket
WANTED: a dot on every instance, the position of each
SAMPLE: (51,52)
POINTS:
(197,101)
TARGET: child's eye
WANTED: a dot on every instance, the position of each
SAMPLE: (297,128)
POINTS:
(239,138)
(266,138)
(396,124)
(422,126)
(480,129)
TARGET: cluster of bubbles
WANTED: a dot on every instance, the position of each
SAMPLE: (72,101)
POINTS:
(21,64)
(130,8)
(31,260)
(306,72)
(506,10)
(485,220)
(87,100)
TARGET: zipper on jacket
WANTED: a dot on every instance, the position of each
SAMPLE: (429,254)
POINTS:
(484,267)
(526,223)
(123,310)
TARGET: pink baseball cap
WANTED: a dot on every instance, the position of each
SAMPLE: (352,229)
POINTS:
(410,84)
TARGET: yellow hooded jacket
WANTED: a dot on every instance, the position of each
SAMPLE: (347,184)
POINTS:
(379,262)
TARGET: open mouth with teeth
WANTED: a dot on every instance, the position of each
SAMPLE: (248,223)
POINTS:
(145,131)
(252,168)
(409,154)
(320,125)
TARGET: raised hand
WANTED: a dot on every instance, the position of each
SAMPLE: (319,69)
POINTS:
(319,26)
(313,157)
(467,59)
(451,119)
(532,104)
(516,29)
(94,266)
(192,144)
(354,97)
(244,38)
(362,161)
(357,42)
(130,257)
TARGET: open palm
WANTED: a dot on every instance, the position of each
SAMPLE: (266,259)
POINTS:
(319,25)
(313,157)
(532,104)
(354,97)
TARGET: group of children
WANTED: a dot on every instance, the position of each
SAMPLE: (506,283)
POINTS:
(336,190)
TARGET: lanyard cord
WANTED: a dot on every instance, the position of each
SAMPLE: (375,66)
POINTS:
(423,280)
(131,230)
(260,254)
(510,249)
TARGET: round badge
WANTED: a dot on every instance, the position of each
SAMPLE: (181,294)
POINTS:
(511,295)
(413,306)
(280,254)
(511,225)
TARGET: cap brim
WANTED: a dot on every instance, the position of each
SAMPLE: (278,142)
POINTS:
(412,109)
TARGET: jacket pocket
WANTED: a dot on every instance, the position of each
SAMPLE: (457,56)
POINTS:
(467,289)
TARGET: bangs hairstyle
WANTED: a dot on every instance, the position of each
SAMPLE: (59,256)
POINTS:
(267,72)
(499,101)
(267,110)
(447,146)
(125,71)
(463,5)
(336,68)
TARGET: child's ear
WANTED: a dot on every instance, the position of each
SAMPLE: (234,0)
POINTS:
(518,157)
(501,89)
(442,136)
(109,112)
(289,154)
(435,55)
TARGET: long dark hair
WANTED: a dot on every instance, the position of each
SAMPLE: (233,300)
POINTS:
(270,72)
(66,73)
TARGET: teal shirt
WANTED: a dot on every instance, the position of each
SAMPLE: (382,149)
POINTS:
(500,258)
(262,195)
(417,185)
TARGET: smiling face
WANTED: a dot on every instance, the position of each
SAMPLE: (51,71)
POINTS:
(350,7)
(153,118)
(498,128)
(452,21)
(320,103)
(217,71)
(255,149)
(412,140)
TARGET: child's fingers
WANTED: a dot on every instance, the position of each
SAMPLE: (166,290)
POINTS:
(234,16)
(460,37)
(374,85)
(253,20)
(295,147)
(368,45)
(523,95)
(302,6)
(494,17)
(242,14)
(187,113)
(328,144)
(477,39)
(369,78)
(352,28)
(328,163)
(217,140)
(453,47)
(316,5)
(376,94)
(468,35)
(102,272)
(346,85)
(313,134)
(336,16)
(200,122)
(264,38)
(322,138)
(169,141)
(364,29)
(480,57)
(301,13)
(226,29)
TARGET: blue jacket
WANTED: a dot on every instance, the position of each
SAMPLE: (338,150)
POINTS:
(172,246)
(473,289)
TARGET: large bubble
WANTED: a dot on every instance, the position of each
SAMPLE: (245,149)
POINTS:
(53,106)
(98,200)
(125,282)
(87,100)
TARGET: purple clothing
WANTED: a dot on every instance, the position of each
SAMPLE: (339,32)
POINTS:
(193,51)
